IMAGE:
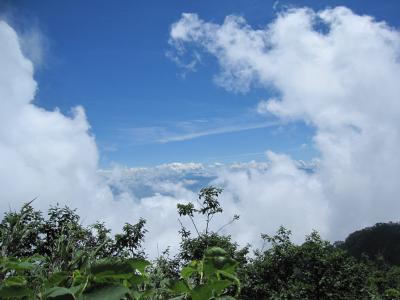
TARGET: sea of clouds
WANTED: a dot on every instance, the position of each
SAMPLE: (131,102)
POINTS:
(335,70)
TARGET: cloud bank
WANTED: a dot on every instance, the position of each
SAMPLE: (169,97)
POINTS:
(337,71)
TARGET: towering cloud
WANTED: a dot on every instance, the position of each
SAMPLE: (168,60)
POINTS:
(43,154)
(338,72)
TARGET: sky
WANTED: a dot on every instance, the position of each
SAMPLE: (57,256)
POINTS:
(113,60)
(123,111)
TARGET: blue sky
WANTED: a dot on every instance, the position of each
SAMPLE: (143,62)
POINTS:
(110,57)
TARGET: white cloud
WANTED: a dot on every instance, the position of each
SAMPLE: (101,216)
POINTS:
(262,106)
(250,189)
(337,71)
(283,194)
(34,45)
(188,130)
(42,153)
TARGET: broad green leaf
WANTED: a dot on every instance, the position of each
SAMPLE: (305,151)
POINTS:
(179,287)
(37,258)
(78,289)
(201,292)
(15,281)
(137,279)
(138,264)
(111,271)
(18,265)
(188,271)
(213,264)
(215,251)
(219,286)
(145,294)
(59,293)
(56,279)
(109,277)
(7,292)
(106,293)
(209,268)
(111,267)
(230,277)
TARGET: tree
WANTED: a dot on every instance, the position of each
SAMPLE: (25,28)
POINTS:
(381,240)
(193,248)
(62,240)
(313,270)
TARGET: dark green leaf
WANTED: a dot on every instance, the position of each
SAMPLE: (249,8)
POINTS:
(138,264)
(188,271)
(15,281)
(58,293)
(106,293)
(202,292)
(219,286)
(7,292)
(179,287)
(56,279)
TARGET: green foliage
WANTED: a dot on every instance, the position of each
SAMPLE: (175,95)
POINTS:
(20,232)
(193,248)
(213,277)
(62,240)
(381,240)
(53,256)
(120,279)
(313,270)
(111,278)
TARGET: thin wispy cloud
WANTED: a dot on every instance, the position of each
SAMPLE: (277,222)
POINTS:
(189,130)
(214,131)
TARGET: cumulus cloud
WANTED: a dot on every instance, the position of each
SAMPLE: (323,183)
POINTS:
(337,71)
(42,153)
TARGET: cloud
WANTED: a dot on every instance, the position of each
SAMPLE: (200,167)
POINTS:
(34,45)
(263,106)
(214,131)
(250,189)
(189,130)
(337,71)
(42,153)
